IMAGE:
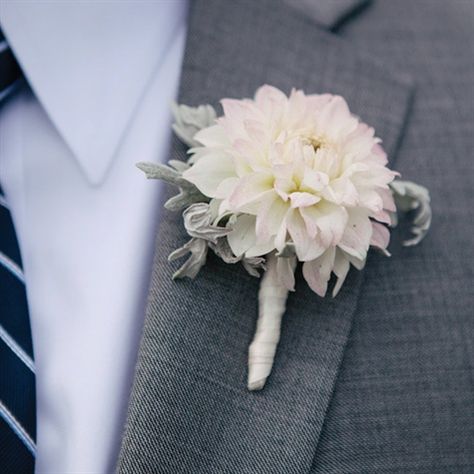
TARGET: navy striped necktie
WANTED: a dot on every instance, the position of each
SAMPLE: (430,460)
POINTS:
(17,371)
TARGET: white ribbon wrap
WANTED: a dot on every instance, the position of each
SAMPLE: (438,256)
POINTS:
(272,304)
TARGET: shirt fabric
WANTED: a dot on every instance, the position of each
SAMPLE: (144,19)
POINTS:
(102,76)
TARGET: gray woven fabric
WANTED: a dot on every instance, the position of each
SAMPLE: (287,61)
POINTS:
(328,13)
(395,393)
(404,397)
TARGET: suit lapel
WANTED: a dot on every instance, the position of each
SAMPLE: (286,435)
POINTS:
(190,410)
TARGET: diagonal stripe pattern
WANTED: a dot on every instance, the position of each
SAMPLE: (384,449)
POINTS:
(17,376)
(17,371)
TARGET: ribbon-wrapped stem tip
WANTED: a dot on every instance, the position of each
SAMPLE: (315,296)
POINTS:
(272,304)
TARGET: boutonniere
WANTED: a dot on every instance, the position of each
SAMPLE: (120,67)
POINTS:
(278,181)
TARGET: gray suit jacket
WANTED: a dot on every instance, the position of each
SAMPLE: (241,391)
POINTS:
(379,379)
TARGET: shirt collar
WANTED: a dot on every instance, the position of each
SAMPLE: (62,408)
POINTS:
(89,64)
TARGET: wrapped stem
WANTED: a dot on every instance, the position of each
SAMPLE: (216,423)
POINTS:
(272,304)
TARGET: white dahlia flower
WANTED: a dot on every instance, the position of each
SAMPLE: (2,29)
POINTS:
(299,173)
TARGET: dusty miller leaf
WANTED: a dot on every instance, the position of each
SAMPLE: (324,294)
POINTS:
(252,265)
(188,193)
(408,197)
(189,120)
(198,250)
(198,223)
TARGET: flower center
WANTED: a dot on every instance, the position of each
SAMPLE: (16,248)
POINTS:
(315,142)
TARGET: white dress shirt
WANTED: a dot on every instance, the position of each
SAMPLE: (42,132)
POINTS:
(102,76)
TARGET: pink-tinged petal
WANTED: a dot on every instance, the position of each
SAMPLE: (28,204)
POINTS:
(382,216)
(298,199)
(243,236)
(332,223)
(270,99)
(318,101)
(250,191)
(380,237)
(235,114)
(260,249)
(387,199)
(226,187)
(315,250)
(336,119)
(270,216)
(356,238)
(317,272)
(282,233)
(327,220)
(341,191)
(341,268)
(237,110)
(213,136)
(283,183)
(360,142)
(256,130)
(327,161)
(209,172)
(379,154)
(285,268)
(298,234)
(310,216)
(355,262)
(250,157)
(370,199)
(314,181)
(306,248)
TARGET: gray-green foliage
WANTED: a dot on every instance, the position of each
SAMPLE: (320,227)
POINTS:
(189,120)
(188,193)
(408,197)
(198,223)
(197,214)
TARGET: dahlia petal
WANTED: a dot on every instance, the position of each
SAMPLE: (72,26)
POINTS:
(387,199)
(326,219)
(382,216)
(341,191)
(269,99)
(341,268)
(380,237)
(356,238)
(298,234)
(280,238)
(316,249)
(226,187)
(286,273)
(235,113)
(310,216)
(327,161)
(335,118)
(356,262)
(370,199)
(270,217)
(314,181)
(258,250)
(247,195)
(360,142)
(317,272)
(209,172)
(213,136)
(298,199)
(379,154)
(317,101)
(243,235)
